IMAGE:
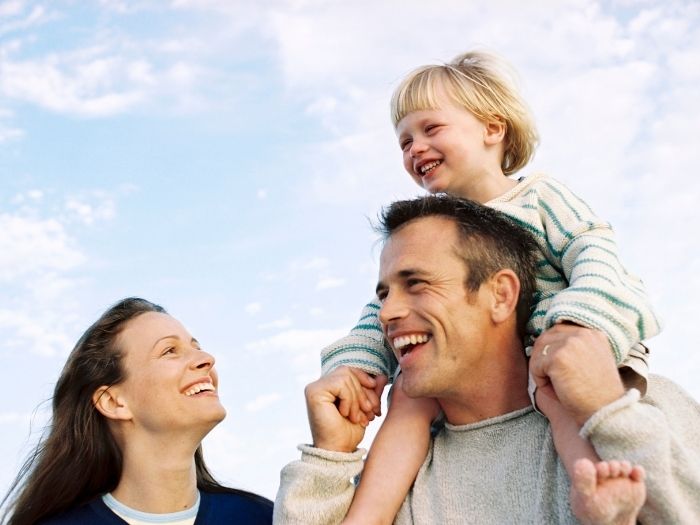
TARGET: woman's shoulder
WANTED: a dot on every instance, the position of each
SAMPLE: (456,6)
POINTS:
(234,504)
(94,512)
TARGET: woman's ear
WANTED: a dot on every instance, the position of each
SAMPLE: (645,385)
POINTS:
(505,289)
(110,403)
(494,132)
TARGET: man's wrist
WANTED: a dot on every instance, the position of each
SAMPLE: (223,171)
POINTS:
(312,451)
(330,446)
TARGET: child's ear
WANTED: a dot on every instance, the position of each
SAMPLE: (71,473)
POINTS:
(505,287)
(110,403)
(494,132)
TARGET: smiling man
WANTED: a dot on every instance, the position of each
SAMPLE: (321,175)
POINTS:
(455,284)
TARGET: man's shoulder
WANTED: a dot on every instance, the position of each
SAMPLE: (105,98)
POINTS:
(238,505)
(661,390)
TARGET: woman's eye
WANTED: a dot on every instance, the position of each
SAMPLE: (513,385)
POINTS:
(169,350)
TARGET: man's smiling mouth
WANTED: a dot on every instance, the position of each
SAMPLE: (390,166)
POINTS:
(405,343)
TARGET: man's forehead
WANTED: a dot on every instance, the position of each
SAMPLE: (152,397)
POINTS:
(419,243)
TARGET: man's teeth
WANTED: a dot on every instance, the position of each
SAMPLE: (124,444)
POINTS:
(412,339)
(200,387)
(429,166)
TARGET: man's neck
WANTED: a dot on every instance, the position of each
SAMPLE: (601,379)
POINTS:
(500,389)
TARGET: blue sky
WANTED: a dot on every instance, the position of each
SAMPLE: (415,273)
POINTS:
(223,158)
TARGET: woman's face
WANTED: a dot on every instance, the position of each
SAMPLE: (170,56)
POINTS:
(170,381)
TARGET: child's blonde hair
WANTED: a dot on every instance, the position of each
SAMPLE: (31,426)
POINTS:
(481,83)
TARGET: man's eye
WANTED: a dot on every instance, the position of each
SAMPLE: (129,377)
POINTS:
(412,283)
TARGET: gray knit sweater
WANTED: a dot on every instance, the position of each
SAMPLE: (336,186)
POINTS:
(505,469)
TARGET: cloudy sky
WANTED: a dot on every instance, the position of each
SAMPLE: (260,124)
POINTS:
(223,158)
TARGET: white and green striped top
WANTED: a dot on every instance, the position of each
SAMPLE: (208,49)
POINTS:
(579,278)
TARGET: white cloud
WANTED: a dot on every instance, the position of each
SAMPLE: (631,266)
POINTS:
(302,346)
(36,330)
(91,207)
(29,245)
(253,308)
(327,283)
(39,260)
(83,84)
(261,402)
(284,322)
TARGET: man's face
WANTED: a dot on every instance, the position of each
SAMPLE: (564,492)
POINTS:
(437,328)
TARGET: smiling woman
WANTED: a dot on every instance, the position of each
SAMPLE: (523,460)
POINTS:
(130,409)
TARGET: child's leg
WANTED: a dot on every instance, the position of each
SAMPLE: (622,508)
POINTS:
(602,493)
(395,457)
(608,492)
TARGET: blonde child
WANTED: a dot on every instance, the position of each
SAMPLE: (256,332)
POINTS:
(463,129)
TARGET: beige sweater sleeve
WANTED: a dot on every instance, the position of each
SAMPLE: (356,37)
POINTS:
(318,489)
(662,433)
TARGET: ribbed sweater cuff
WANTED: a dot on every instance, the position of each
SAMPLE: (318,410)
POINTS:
(608,411)
(318,455)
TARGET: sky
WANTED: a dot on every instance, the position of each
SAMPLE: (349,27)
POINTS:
(225,159)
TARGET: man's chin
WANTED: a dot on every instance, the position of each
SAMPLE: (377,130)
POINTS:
(416,389)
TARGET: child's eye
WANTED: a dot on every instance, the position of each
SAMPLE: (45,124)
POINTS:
(406,144)
(431,128)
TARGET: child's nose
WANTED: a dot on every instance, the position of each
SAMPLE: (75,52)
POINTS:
(418,147)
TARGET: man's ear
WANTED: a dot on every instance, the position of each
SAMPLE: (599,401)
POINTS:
(494,132)
(110,403)
(505,287)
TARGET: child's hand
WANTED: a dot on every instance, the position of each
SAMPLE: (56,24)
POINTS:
(575,365)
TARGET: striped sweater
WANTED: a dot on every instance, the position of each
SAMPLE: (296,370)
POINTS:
(579,278)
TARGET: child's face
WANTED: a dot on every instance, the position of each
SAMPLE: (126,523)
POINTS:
(445,149)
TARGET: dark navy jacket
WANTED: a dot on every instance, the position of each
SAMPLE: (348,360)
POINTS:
(214,509)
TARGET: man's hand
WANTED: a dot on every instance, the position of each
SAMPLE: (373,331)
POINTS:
(340,406)
(575,365)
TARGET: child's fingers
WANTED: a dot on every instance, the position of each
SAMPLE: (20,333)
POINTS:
(381,382)
(373,403)
(363,378)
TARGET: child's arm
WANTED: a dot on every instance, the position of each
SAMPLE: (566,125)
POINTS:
(601,294)
(397,453)
(364,347)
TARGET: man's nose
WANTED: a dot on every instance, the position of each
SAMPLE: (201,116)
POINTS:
(394,307)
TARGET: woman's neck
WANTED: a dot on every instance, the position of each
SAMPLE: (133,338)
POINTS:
(157,476)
